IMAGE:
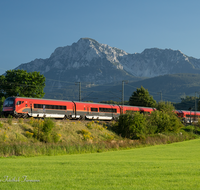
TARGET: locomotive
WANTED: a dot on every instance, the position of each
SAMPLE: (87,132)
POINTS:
(22,107)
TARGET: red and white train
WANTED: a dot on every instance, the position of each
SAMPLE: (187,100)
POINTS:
(34,107)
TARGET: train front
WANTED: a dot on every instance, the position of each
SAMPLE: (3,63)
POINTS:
(9,107)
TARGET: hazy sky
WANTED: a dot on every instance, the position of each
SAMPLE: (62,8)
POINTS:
(34,29)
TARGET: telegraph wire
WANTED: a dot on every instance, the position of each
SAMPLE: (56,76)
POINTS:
(105,91)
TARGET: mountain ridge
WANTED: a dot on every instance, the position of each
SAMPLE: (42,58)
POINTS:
(90,62)
(150,63)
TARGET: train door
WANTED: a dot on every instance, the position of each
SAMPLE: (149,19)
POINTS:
(121,110)
(88,110)
(31,108)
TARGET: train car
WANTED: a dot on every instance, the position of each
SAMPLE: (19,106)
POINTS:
(188,116)
(86,110)
(34,107)
(145,110)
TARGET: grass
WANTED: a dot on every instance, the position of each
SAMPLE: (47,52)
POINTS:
(170,166)
(19,130)
(20,138)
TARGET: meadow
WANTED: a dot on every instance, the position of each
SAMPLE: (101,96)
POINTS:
(169,166)
(33,137)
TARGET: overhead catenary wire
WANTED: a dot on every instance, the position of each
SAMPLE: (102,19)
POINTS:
(87,90)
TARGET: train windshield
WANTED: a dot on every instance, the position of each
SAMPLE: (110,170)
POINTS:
(9,102)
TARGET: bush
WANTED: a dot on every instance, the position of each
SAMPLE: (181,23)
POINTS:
(43,130)
(132,125)
(86,134)
(165,119)
(28,134)
(165,107)
(48,125)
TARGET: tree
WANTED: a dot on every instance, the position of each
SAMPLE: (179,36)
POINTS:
(136,125)
(188,103)
(20,83)
(132,125)
(164,118)
(2,99)
(141,97)
(165,107)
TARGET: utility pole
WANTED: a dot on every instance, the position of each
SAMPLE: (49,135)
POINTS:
(195,105)
(79,90)
(195,101)
(160,95)
(123,93)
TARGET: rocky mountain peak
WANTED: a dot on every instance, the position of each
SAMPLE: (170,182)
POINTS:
(89,60)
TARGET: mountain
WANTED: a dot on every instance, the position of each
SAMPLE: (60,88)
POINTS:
(155,62)
(89,61)
(85,61)
(93,63)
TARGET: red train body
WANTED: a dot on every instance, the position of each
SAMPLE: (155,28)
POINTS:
(188,116)
(34,107)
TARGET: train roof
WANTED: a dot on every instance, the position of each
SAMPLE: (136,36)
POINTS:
(40,99)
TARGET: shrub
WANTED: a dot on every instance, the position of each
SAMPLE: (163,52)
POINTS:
(56,137)
(28,134)
(134,125)
(86,134)
(48,125)
(131,125)
(165,107)
(165,122)
(43,129)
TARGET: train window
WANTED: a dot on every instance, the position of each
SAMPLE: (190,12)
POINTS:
(9,102)
(94,109)
(19,103)
(55,107)
(38,106)
(108,110)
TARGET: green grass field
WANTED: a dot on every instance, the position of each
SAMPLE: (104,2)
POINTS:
(171,166)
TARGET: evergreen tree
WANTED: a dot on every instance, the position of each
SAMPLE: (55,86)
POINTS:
(141,97)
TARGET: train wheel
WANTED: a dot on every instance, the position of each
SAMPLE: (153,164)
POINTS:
(66,117)
(114,118)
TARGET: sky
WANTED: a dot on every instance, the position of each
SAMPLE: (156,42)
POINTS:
(34,29)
